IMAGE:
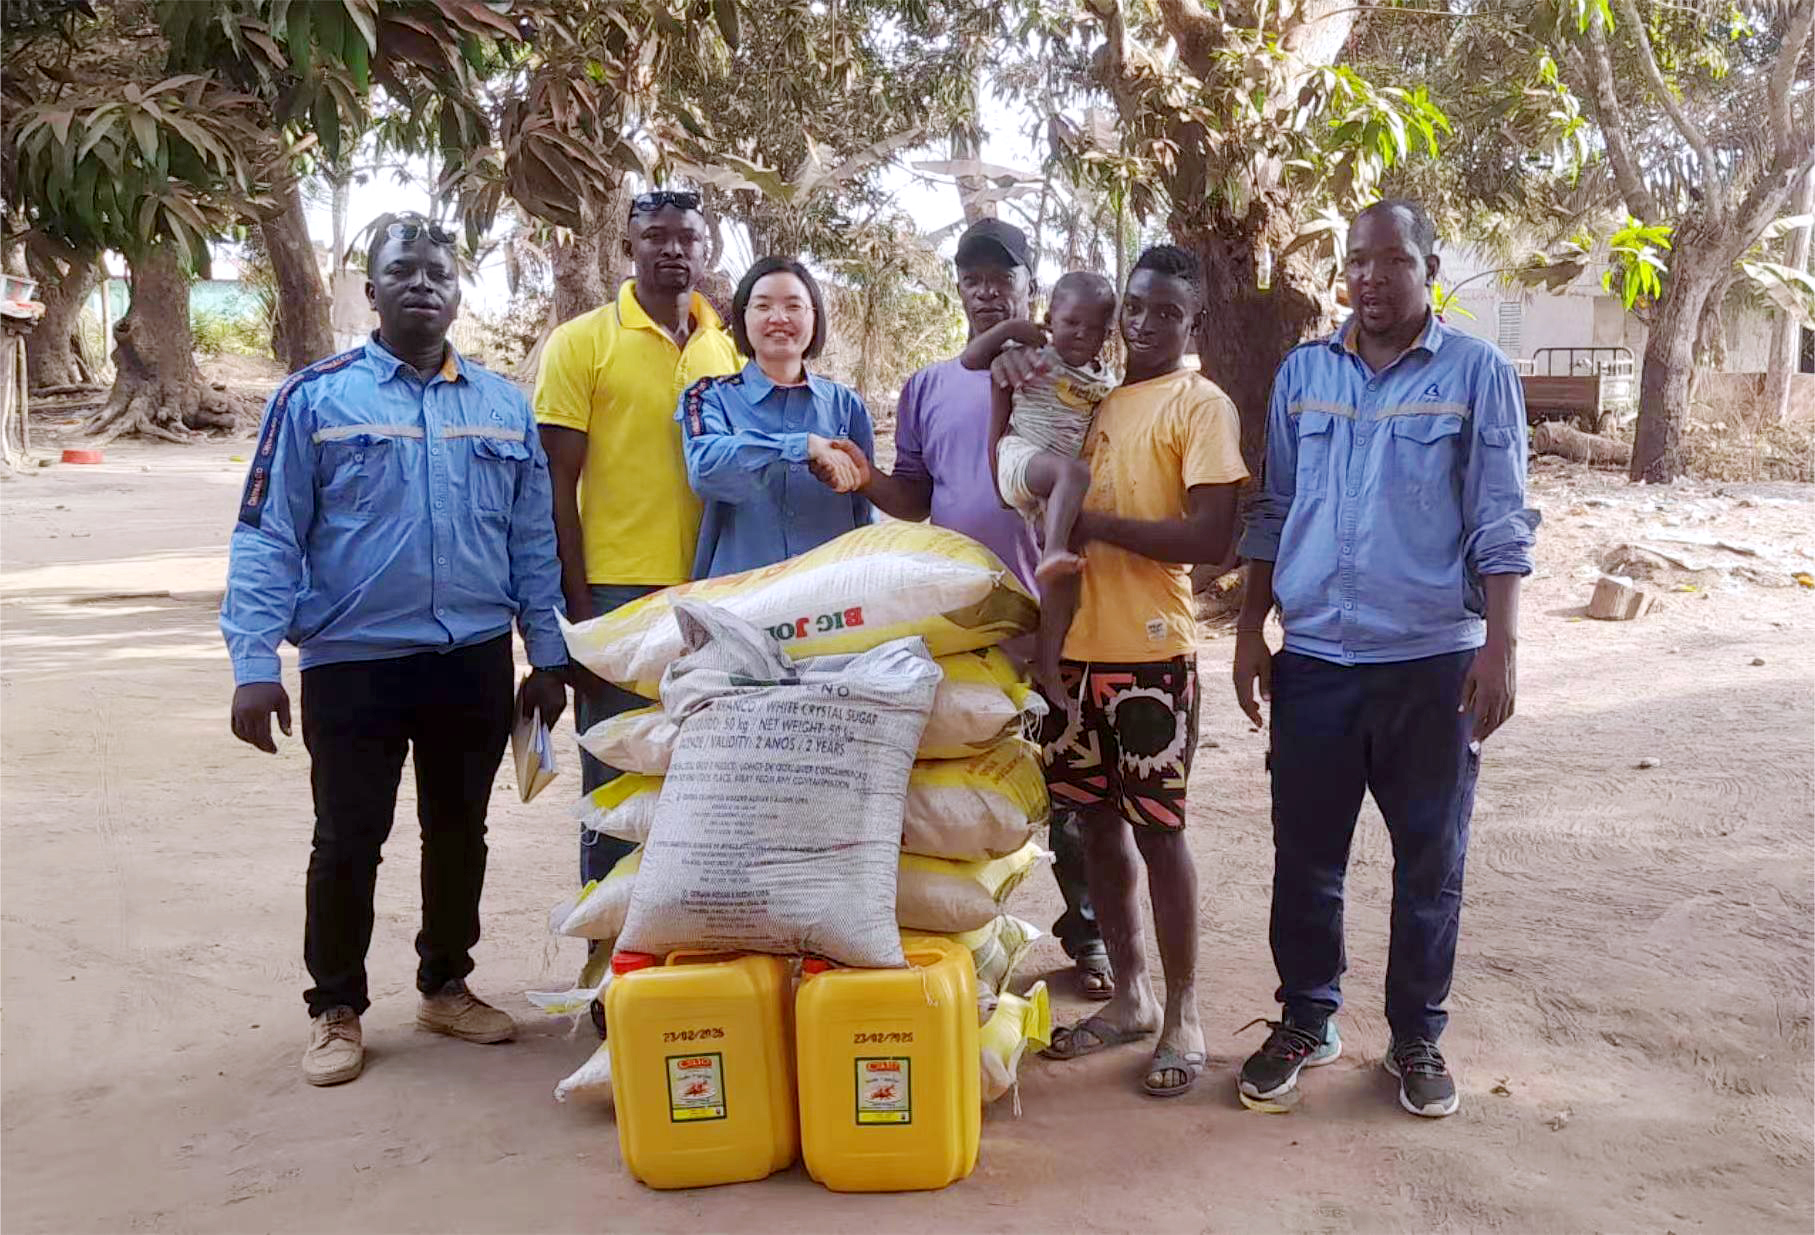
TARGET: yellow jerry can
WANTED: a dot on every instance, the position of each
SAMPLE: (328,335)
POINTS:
(889,1097)
(702,1066)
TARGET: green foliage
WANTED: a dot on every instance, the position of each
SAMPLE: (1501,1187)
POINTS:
(1637,265)
(129,167)
(238,334)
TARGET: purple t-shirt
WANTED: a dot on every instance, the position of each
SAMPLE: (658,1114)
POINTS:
(942,431)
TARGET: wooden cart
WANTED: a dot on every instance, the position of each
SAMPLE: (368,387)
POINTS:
(1590,385)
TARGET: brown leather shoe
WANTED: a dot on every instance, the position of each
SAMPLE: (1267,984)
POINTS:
(336,1052)
(458,1013)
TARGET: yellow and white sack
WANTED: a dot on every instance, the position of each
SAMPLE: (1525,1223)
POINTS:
(933,896)
(938,896)
(1019,1021)
(986,806)
(879,582)
(599,910)
(982,700)
(998,948)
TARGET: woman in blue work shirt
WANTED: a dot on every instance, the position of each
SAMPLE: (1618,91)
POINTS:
(758,441)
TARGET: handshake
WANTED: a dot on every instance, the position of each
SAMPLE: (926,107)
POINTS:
(837,463)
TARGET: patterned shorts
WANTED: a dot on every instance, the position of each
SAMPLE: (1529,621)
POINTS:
(1123,735)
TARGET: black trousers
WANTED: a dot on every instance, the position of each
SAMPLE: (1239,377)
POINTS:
(453,709)
(1391,730)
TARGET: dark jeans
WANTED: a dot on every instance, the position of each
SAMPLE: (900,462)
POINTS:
(598,852)
(1391,730)
(359,720)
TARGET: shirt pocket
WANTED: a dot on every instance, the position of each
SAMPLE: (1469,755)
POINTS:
(497,467)
(1424,459)
(358,475)
(1315,432)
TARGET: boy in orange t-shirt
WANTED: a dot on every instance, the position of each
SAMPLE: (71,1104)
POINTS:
(1165,461)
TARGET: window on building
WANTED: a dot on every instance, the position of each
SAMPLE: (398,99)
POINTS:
(1510,322)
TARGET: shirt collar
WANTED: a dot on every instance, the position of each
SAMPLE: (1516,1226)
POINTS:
(387,363)
(757,383)
(1429,339)
(632,314)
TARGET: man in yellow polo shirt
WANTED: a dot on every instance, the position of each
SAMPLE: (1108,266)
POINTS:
(625,517)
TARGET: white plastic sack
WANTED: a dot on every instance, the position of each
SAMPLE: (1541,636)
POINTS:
(779,824)
(591,1080)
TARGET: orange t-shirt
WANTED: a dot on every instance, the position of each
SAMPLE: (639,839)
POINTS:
(1150,443)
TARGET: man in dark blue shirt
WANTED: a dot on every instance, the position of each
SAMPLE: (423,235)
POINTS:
(397,519)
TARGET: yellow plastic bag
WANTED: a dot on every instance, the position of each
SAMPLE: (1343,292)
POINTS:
(982,700)
(1019,1021)
(879,582)
(987,806)
(942,897)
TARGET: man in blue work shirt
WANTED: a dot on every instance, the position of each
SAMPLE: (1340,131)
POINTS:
(1392,532)
(397,518)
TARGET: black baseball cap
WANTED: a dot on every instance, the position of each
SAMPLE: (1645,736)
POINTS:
(994,240)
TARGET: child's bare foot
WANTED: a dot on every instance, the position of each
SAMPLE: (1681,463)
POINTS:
(1058,566)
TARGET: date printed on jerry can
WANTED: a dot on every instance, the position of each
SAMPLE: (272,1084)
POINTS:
(696,1087)
(885,1092)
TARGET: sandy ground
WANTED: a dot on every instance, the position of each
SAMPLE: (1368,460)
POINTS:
(1631,1018)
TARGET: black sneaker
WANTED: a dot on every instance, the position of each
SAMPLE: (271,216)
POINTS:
(1425,1085)
(1271,1073)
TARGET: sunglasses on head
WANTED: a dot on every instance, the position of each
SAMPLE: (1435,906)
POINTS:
(680,199)
(407,227)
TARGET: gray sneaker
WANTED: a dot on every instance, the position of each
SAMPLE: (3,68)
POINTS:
(1425,1085)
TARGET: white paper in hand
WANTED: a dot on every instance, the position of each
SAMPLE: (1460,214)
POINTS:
(533,751)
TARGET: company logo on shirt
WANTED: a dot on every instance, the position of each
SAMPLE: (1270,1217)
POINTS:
(1431,394)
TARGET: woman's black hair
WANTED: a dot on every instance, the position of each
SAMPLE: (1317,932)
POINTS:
(740,301)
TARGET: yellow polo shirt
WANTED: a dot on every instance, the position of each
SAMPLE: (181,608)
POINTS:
(615,375)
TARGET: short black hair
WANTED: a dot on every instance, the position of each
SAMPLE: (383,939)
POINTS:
(740,301)
(1086,285)
(1422,231)
(1174,262)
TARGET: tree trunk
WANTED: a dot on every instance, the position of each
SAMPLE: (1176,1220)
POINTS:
(614,238)
(578,270)
(1786,330)
(65,278)
(157,391)
(1669,365)
(1247,332)
(302,302)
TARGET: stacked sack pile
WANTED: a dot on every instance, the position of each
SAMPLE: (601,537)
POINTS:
(975,798)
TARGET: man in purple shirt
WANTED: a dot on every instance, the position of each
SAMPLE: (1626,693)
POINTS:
(942,473)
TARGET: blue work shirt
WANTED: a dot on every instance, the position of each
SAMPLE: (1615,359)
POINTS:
(1387,496)
(385,516)
(746,445)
